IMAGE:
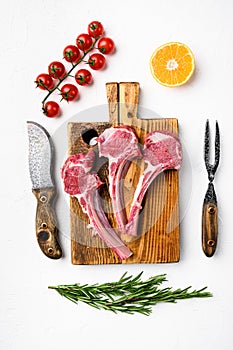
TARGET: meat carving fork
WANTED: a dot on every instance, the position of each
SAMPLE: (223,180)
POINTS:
(210,209)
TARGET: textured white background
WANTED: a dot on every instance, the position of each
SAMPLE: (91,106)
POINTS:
(33,33)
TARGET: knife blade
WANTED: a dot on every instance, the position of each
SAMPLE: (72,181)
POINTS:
(40,166)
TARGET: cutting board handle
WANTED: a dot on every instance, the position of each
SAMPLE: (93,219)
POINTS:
(123,102)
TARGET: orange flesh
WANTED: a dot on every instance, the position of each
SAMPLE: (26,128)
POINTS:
(172,64)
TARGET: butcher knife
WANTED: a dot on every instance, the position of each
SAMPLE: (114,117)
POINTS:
(40,166)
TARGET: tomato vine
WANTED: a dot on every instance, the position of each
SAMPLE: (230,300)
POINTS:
(74,55)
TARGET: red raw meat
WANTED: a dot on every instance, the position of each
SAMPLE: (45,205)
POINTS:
(120,145)
(162,151)
(84,184)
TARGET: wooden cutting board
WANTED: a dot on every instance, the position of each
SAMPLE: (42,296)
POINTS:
(158,231)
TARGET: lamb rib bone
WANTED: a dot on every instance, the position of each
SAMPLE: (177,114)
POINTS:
(162,151)
(84,184)
(120,145)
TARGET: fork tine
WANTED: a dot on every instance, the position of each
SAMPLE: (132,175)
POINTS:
(217,147)
(207,143)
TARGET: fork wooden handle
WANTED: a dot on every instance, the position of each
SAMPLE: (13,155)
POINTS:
(210,222)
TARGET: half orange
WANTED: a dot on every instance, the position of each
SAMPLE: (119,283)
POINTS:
(172,64)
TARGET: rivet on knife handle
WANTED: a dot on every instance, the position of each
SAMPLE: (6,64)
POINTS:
(210,209)
(46,229)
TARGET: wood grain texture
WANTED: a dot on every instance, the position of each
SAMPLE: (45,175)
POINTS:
(112,91)
(158,231)
(46,223)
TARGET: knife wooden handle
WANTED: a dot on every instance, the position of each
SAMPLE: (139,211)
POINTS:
(46,229)
(209,222)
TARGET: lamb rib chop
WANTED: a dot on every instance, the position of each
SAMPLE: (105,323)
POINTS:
(120,145)
(162,151)
(84,184)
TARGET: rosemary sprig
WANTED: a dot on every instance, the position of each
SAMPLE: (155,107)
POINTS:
(129,295)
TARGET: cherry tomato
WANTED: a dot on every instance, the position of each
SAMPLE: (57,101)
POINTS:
(69,92)
(71,53)
(95,29)
(84,42)
(44,82)
(83,77)
(96,61)
(56,70)
(106,46)
(51,109)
